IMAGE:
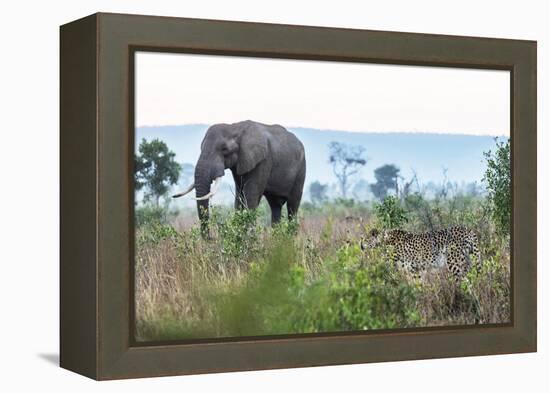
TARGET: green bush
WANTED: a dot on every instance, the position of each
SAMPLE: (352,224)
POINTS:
(276,298)
(238,231)
(357,294)
(262,304)
(390,213)
(155,233)
(498,178)
(285,228)
(149,215)
(488,289)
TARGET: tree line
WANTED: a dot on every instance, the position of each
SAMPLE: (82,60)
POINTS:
(346,162)
(156,170)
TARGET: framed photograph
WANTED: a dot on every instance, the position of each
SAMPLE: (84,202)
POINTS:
(242,196)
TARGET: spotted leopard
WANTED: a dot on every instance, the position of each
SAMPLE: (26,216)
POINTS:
(452,248)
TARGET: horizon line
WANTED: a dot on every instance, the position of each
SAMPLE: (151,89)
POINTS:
(340,130)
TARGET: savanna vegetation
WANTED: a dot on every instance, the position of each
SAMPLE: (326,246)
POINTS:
(311,275)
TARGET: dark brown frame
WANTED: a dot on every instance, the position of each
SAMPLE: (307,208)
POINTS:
(97,195)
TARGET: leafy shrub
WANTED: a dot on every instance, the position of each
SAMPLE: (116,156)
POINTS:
(390,213)
(149,215)
(285,228)
(238,231)
(354,294)
(498,178)
(155,233)
(262,303)
(351,294)
(489,289)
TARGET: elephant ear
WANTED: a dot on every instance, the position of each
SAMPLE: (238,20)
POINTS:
(253,148)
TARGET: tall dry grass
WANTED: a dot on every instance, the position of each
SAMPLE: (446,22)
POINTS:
(317,280)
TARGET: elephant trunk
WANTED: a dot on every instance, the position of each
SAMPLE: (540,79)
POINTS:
(207,170)
(202,188)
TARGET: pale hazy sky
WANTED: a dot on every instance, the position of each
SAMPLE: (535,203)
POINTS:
(181,89)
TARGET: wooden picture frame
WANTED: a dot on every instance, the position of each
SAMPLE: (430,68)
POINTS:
(97,195)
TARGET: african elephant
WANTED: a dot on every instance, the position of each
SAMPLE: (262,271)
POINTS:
(265,160)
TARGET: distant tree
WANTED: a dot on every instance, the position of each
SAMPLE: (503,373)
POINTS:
(498,178)
(155,169)
(346,162)
(386,180)
(318,192)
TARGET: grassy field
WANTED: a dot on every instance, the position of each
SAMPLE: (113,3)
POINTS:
(250,279)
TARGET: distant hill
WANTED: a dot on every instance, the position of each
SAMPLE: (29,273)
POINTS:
(425,153)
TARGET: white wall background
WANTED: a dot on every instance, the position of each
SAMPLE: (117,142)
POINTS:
(29,219)
(174,89)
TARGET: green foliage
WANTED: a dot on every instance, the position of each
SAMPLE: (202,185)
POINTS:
(252,279)
(487,289)
(277,298)
(390,213)
(286,228)
(155,169)
(150,215)
(462,209)
(238,231)
(386,180)
(155,233)
(355,294)
(498,177)
(262,303)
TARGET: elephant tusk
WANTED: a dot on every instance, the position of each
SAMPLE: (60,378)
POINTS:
(212,192)
(184,192)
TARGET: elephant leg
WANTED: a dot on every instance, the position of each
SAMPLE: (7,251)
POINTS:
(296,196)
(292,209)
(250,187)
(250,198)
(247,200)
(239,198)
(276,205)
(247,192)
(275,214)
(252,190)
